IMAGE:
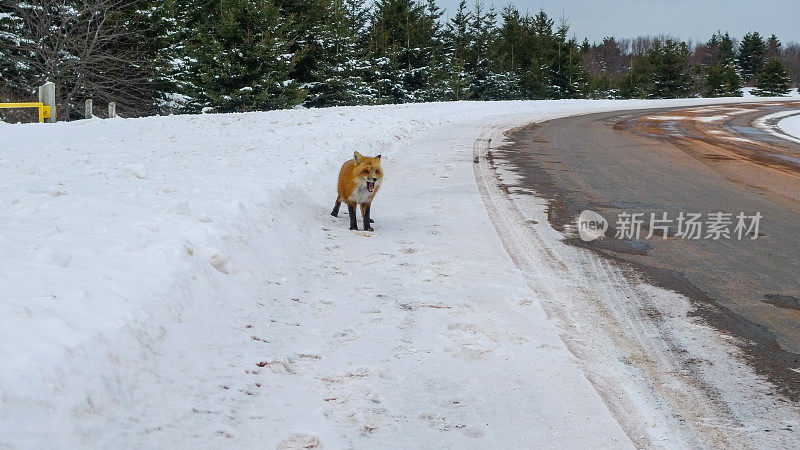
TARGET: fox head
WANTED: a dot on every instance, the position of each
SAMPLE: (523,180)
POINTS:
(368,172)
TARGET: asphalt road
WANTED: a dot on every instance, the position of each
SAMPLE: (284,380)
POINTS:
(700,160)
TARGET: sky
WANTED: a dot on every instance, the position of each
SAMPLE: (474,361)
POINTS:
(694,20)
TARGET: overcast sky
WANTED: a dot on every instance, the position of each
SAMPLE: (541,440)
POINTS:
(686,19)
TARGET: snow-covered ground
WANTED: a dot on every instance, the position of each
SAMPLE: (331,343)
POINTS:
(179,282)
(783,124)
(747,92)
(791,125)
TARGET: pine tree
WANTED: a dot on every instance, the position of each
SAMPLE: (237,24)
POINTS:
(337,77)
(663,72)
(773,80)
(237,57)
(773,47)
(438,75)
(751,56)
(456,40)
(721,78)
(722,81)
(484,82)
(727,50)
(566,72)
(536,78)
(155,23)
(14,74)
(13,70)
(403,48)
(585,46)
(671,78)
(314,30)
(720,49)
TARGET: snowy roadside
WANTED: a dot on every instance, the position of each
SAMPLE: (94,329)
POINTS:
(782,124)
(177,280)
(791,125)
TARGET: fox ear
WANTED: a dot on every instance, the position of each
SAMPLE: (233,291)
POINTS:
(379,156)
(357,157)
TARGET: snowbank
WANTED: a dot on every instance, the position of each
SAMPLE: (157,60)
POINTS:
(791,125)
(747,92)
(155,268)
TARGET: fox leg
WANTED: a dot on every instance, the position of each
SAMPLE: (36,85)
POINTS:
(365,216)
(351,210)
(335,212)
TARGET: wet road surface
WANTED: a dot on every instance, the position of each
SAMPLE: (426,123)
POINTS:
(700,160)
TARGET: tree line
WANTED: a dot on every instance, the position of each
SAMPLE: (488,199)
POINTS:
(190,56)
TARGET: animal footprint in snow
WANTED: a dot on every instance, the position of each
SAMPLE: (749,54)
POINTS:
(373,422)
(323,308)
(470,341)
(344,336)
(442,423)
(219,262)
(277,367)
(473,341)
(407,347)
(299,442)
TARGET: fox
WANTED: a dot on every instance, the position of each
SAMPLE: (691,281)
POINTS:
(359,181)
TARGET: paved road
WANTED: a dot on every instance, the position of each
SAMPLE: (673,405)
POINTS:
(692,160)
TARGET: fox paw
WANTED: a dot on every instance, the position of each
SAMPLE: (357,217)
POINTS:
(371,221)
(368,229)
(354,228)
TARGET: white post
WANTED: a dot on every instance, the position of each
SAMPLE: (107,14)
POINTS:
(47,95)
(112,110)
(87,111)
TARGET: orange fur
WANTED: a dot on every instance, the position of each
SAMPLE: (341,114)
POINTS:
(359,181)
(353,173)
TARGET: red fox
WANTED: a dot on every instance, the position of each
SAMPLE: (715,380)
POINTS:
(359,180)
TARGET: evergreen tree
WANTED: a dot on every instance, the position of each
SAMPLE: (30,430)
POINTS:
(663,72)
(309,30)
(773,80)
(13,70)
(773,47)
(403,46)
(484,82)
(156,24)
(566,72)
(237,57)
(439,71)
(720,49)
(722,81)
(337,76)
(721,78)
(751,56)
(585,46)
(536,78)
(457,40)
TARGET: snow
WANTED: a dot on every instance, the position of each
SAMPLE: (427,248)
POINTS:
(791,125)
(782,124)
(178,282)
(747,92)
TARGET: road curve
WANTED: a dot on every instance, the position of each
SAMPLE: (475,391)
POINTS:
(693,160)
